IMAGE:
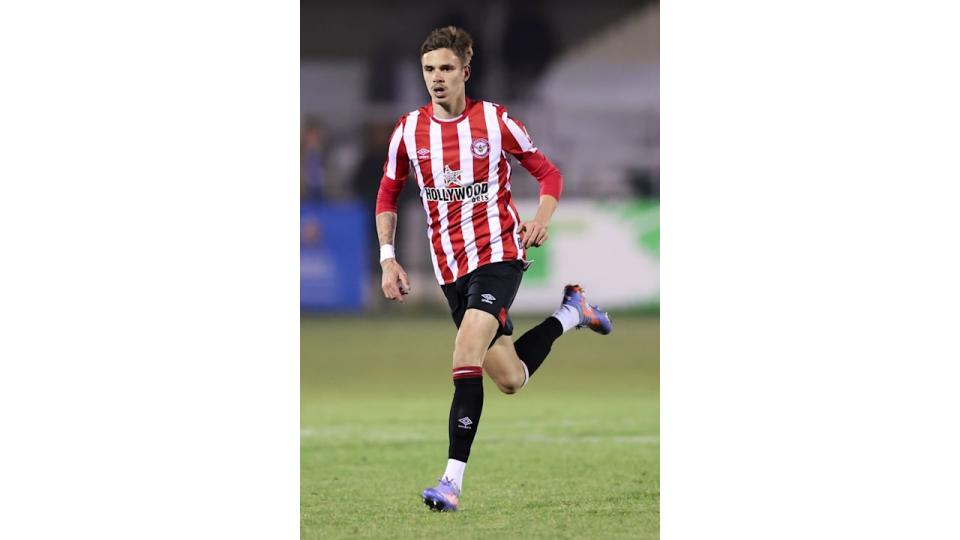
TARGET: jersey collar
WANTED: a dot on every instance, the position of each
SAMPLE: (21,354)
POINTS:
(450,120)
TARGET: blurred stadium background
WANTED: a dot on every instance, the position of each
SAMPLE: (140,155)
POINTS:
(584,78)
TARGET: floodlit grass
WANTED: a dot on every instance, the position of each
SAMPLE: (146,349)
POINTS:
(573,455)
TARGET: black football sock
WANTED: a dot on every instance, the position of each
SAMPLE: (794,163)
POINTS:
(465,410)
(534,346)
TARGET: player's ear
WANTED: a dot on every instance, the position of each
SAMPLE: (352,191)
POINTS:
(466,73)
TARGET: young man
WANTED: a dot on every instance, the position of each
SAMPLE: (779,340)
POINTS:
(456,149)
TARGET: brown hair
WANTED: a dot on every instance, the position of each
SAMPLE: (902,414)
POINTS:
(450,37)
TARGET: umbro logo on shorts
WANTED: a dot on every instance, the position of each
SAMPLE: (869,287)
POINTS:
(465,422)
(488,298)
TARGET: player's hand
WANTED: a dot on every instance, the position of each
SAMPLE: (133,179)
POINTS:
(533,233)
(395,283)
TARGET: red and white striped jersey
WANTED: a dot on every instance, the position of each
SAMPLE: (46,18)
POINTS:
(461,167)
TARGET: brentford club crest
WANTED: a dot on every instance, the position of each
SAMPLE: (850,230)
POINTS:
(481,148)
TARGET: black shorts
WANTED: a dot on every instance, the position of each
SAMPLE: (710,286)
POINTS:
(490,288)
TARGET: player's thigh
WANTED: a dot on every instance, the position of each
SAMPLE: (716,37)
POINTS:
(477,330)
(492,288)
(503,365)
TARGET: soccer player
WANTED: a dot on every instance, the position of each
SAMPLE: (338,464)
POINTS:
(456,149)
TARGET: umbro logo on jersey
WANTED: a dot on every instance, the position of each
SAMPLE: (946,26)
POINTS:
(465,422)
(480,148)
(488,298)
(423,154)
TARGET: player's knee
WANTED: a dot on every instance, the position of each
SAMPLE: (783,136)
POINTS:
(510,384)
(466,354)
(469,349)
(509,387)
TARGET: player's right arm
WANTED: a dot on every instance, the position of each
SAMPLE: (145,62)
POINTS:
(394,282)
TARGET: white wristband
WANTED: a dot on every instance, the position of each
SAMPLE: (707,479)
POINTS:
(387,252)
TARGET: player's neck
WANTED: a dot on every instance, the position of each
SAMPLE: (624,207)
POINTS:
(450,110)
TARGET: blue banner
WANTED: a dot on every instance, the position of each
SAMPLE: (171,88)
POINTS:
(334,256)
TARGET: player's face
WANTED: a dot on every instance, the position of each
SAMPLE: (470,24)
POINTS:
(444,75)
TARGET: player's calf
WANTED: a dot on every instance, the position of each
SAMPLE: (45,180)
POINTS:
(574,312)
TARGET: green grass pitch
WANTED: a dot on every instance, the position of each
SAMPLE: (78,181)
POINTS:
(576,454)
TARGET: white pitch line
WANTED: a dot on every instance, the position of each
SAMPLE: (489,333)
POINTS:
(353,434)
(627,439)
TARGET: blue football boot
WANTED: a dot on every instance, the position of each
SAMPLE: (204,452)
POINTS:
(445,497)
(590,315)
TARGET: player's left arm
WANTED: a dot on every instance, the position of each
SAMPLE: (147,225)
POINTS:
(516,141)
(534,232)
